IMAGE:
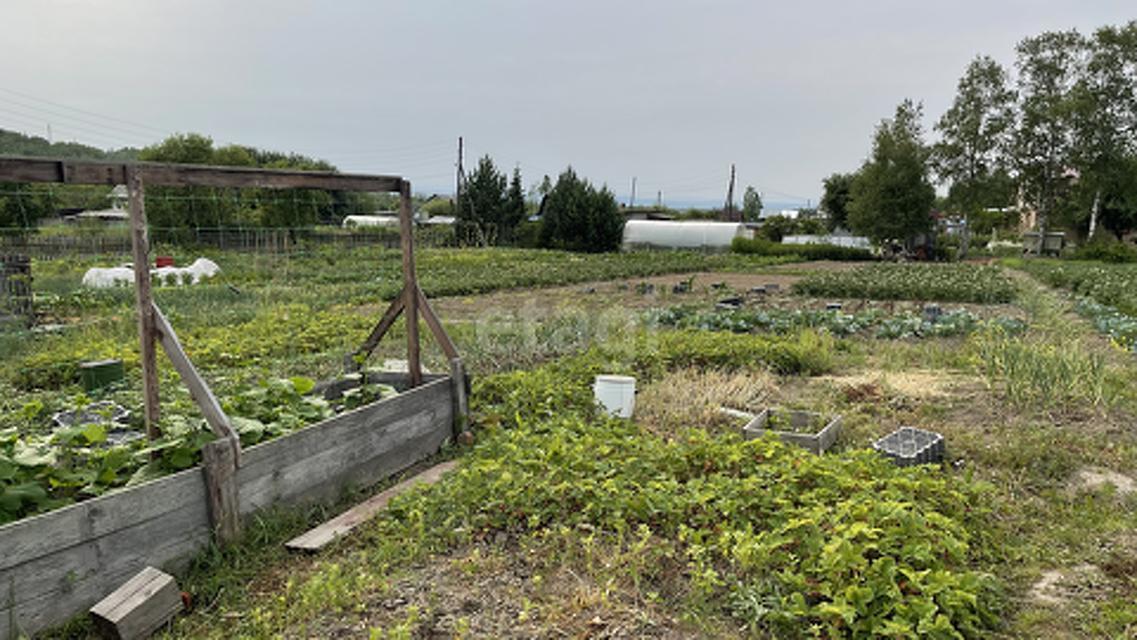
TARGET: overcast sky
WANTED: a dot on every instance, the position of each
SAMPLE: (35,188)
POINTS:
(669,91)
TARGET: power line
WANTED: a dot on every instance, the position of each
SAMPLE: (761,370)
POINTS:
(89,113)
(39,111)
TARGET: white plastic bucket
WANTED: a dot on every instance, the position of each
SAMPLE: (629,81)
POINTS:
(616,394)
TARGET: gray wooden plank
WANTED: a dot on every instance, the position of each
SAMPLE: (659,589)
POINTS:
(33,537)
(300,470)
(321,536)
(200,392)
(50,590)
(319,436)
(21,169)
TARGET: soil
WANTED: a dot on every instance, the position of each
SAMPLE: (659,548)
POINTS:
(1061,586)
(1096,478)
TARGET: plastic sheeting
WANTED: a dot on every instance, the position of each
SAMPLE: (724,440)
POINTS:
(682,235)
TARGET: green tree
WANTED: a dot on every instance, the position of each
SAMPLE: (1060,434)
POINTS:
(835,200)
(777,227)
(1049,67)
(975,134)
(751,205)
(580,217)
(190,206)
(482,204)
(1104,119)
(514,204)
(891,198)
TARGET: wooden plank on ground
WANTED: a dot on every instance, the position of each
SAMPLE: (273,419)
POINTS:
(139,607)
(341,525)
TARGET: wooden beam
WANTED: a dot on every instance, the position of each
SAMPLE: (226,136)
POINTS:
(377,333)
(436,327)
(20,169)
(141,252)
(410,283)
(200,392)
(339,526)
(219,464)
(138,608)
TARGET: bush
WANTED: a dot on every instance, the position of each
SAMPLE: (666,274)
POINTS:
(1107,251)
(763,247)
(580,217)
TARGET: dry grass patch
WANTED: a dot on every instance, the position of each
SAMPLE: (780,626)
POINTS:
(693,397)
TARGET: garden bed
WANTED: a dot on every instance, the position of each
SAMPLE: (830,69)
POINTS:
(57,564)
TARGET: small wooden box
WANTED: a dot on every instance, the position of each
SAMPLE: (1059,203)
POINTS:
(139,607)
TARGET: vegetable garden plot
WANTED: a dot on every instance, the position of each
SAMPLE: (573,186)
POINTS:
(360,446)
(942,282)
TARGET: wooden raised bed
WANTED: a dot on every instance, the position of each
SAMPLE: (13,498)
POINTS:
(56,565)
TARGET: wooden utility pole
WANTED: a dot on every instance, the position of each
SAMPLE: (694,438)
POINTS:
(141,245)
(728,209)
(459,175)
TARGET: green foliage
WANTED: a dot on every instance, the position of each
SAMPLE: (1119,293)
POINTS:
(891,198)
(874,322)
(789,543)
(763,247)
(972,151)
(835,199)
(213,207)
(944,282)
(774,228)
(484,217)
(751,205)
(1109,284)
(1107,251)
(1040,375)
(580,217)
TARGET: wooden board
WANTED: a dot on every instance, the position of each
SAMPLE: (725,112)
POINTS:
(20,169)
(323,535)
(139,607)
(357,448)
(200,392)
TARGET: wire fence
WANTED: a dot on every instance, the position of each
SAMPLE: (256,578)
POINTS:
(254,239)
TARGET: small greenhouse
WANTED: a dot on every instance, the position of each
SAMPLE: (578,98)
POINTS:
(670,234)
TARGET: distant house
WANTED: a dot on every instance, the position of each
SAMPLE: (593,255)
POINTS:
(117,213)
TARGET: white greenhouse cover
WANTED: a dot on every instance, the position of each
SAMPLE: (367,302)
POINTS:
(682,235)
(371,221)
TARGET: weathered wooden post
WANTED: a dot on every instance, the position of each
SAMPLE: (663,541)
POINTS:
(410,282)
(141,246)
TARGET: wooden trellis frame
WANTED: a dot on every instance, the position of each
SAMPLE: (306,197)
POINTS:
(223,456)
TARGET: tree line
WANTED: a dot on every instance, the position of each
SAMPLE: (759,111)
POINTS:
(1058,137)
(572,213)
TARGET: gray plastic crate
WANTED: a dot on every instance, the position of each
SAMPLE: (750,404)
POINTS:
(909,446)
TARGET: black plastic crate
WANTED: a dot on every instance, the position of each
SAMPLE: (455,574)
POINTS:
(909,446)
